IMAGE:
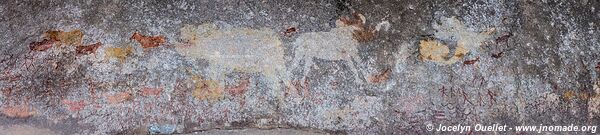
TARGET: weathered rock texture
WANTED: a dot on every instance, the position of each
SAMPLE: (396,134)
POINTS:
(356,67)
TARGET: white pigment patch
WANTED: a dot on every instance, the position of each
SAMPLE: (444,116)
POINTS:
(453,30)
(337,44)
(235,49)
(383,25)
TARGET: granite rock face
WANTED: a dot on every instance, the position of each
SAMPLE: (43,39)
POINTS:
(329,66)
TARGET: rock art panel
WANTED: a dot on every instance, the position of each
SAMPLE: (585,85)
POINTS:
(451,30)
(337,44)
(235,49)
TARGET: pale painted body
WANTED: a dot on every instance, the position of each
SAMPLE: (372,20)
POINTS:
(336,44)
(236,49)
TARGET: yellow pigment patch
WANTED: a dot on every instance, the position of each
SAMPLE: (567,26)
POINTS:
(453,30)
(432,50)
(120,53)
(74,37)
(569,95)
(207,89)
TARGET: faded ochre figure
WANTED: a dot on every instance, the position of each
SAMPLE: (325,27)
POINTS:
(206,89)
(451,29)
(120,53)
(230,49)
(74,37)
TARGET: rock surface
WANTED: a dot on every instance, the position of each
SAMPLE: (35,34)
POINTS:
(298,67)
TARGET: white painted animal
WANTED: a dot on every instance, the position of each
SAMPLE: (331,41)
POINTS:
(236,49)
(336,44)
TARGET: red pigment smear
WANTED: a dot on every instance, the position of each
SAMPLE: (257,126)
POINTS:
(240,89)
(74,105)
(118,98)
(89,49)
(381,77)
(503,38)
(42,45)
(288,32)
(19,111)
(471,62)
(151,91)
(148,41)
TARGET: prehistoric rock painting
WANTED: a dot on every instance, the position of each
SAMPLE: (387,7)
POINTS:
(235,49)
(207,89)
(356,67)
(451,30)
(120,53)
(339,43)
(74,37)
